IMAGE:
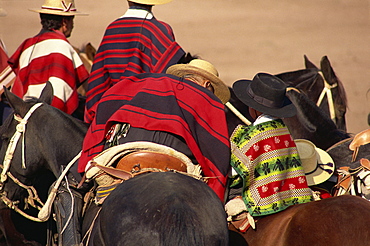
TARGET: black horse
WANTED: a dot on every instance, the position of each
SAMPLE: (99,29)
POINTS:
(44,157)
(158,208)
(161,209)
(322,86)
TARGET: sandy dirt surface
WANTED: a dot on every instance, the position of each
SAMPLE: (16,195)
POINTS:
(241,37)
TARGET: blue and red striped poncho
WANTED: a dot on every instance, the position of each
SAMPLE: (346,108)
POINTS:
(135,43)
(48,57)
(163,102)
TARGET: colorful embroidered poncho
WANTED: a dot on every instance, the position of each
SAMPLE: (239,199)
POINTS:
(163,102)
(267,162)
(133,44)
(48,57)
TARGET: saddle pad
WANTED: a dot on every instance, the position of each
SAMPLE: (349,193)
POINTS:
(103,191)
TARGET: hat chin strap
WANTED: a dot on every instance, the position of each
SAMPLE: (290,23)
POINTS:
(321,166)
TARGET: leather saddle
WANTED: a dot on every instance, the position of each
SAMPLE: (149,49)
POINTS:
(142,161)
(130,159)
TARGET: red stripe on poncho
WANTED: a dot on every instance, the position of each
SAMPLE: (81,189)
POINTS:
(162,102)
(130,46)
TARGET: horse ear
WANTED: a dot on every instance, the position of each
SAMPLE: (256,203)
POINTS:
(47,93)
(328,71)
(19,106)
(308,63)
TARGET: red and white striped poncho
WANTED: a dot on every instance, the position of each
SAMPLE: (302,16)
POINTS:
(48,57)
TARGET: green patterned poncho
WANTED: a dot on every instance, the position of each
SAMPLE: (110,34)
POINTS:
(267,162)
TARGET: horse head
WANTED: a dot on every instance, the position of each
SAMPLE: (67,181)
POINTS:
(29,155)
(322,86)
(332,83)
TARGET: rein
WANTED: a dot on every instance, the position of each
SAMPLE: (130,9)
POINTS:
(327,91)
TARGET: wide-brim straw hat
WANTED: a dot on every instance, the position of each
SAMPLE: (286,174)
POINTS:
(205,69)
(151,2)
(59,7)
(265,93)
(317,164)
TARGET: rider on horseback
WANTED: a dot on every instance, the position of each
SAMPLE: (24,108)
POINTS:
(181,113)
(265,160)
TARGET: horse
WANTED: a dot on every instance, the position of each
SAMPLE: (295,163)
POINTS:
(181,209)
(38,172)
(341,220)
(322,86)
(161,209)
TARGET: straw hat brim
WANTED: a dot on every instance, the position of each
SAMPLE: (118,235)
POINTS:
(220,88)
(57,12)
(319,175)
(151,2)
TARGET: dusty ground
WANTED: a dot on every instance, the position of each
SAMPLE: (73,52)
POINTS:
(241,37)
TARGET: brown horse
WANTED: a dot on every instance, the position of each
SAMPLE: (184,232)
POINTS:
(342,220)
(87,54)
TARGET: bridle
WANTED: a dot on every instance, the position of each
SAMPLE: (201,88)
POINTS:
(327,91)
(20,131)
(33,198)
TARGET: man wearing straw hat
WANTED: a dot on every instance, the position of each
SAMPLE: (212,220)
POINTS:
(48,56)
(184,112)
(264,155)
(134,43)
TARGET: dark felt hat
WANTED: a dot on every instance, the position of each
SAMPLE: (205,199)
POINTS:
(265,93)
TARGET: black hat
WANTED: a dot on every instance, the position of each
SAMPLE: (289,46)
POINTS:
(265,93)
